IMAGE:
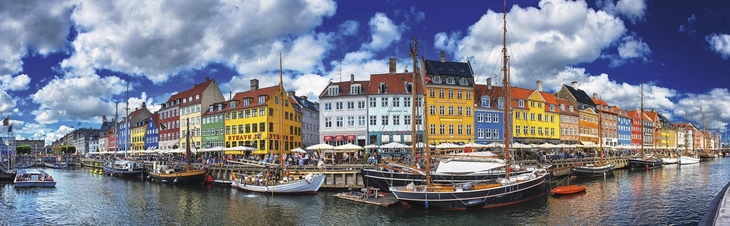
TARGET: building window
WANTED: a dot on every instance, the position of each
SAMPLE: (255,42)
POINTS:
(384,120)
(495,118)
(384,102)
(355,89)
(450,80)
(338,105)
(485,102)
(262,99)
(480,117)
(431,92)
(333,91)
(480,133)
(451,93)
(340,121)
(407,120)
(396,102)
(328,122)
(451,129)
(433,110)
(451,110)
(442,129)
(327,106)
(468,129)
(351,121)
(436,79)
(350,105)
(361,120)
(520,103)
(361,104)
(433,128)
(396,120)
(407,102)
(441,93)
(441,110)
(468,111)
(458,111)
(459,129)
(517,130)
(373,120)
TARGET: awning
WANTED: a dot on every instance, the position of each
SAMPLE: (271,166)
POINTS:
(339,138)
(351,137)
(327,138)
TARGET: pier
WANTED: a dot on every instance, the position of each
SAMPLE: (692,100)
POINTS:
(348,176)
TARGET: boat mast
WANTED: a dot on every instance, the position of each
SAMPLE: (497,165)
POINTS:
(414,55)
(425,122)
(187,142)
(641,116)
(686,129)
(127,132)
(507,96)
(282,93)
(600,136)
(704,134)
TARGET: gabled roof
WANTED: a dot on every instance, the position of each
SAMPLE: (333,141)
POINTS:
(155,120)
(215,108)
(396,83)
(633,114)
(197,89)
(580,95)
(345,88)
(484,90)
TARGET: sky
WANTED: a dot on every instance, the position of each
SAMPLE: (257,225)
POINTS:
(66,64)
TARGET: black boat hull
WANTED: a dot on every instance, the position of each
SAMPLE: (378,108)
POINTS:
(644,164)
(123,172)
(384,179)
(593,171)
(478,199)
(183,177)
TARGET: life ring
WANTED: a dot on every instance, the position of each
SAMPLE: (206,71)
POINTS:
(233,176)
(287,173)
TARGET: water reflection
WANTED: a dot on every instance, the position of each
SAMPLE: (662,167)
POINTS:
(670,195)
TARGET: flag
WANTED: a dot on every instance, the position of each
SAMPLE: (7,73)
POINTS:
(6,121)
(428,79)
(162,126)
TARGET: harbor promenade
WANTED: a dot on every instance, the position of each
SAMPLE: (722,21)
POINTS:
(718,213)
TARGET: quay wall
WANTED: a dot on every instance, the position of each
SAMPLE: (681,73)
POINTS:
(348,176)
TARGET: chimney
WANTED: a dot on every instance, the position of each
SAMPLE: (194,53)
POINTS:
(595,95)
(144,105)
(254,84)
(291,93)
(574,84)
(391,66)
(207,79)
(539,85)
(303,97)
(489,83)
(443,56)
(352,78)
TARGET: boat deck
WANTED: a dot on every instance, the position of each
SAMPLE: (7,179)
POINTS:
(360,197)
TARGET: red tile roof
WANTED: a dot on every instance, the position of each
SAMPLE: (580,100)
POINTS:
(482,90)
(567,105)
(396,83)
(269,92)
(197,89)
(345,88)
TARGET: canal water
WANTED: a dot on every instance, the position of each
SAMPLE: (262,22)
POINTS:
(677,195)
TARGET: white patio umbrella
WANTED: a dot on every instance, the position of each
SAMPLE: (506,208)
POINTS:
(349,147)
(447,146)
(371,146)
(520,146)
(474,145)
(321,146)
(298,150)
(548,145)
(422,145)
(495,145)
(213,149)
(393,145)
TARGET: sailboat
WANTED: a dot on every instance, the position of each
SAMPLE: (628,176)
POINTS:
(688,158)
(177,174)
(592,170)
(481,194)
(644,161)
(451,169)
(122,168)
(283,184)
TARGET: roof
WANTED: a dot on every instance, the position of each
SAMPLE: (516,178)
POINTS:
(580,95)
(306,104)
(156,120)
(345,88)
(633,113)
(197,89)
(396,83)
(269,92)
(567,105)
(215,109)
(483,90)
(458,69)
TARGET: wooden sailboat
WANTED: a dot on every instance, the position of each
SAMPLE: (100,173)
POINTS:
(644,161)
(179,175)
(592,170)
(283,183)
(706,154)
(122,168)
(482,194)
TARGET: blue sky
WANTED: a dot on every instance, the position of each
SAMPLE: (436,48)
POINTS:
(65,64)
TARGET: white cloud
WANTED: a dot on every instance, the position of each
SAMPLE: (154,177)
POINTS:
(629,49)
(383,32)
(556,34)
(634,10)
(720,43)
(31,27)
(713,105)
(349,27)
(19,82)
(446,42)
(76,99)
(159,40)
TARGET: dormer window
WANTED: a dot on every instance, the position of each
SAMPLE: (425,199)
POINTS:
(463,81)
(355,89)
(409,87)
(500,103)
(220,107)
(185,101)
(246,102)
(197,96)
(332,91)
(382,88)
(485,101)
(450,80)
(562,107)
(262,99)
(520,103)
(570,108)
(436,79)
(552,107)
(210,108)
(190,99)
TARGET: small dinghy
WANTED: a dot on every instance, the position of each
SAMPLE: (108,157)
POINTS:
(567,190)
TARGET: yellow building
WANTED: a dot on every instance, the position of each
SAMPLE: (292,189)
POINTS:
(258,118)
(191,102)
(536,117)
(450,86)
(137,133)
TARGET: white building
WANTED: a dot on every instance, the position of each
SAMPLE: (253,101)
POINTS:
(310,120)
(343,113)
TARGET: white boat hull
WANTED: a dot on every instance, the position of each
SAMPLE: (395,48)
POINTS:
(301,186)
(686,160)
(668,161)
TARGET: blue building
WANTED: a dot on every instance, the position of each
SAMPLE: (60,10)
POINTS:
(488,114)
(150,137)
(624,127)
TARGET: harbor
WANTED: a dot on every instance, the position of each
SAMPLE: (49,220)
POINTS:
(674,194)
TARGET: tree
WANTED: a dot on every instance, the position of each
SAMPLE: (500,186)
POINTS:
(66,149)
(23,149)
